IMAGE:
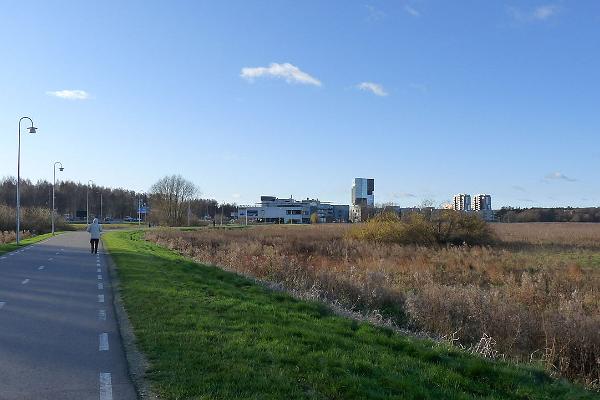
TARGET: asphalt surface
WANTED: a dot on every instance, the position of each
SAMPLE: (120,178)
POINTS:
(58,334)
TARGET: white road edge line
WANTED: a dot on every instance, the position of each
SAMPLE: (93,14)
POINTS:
(26,281)
(100,298)
(103,345)
(102,315)
(105,386)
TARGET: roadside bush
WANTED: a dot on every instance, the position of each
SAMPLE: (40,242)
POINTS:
(37,220)
(448,227)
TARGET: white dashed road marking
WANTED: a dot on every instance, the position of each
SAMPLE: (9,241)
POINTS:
(102,315)
(98,270)
(26,281)
(2,304)
(41,267)
(99,277)
(105,386)
(50,259)
(100,298)
(100,286)
(103,346)
(2,258)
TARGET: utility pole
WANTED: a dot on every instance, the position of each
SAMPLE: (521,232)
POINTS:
(189,210)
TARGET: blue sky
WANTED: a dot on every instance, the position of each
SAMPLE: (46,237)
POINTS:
(245,98)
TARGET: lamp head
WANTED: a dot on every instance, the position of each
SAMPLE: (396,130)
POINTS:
(61,169)
(32,129)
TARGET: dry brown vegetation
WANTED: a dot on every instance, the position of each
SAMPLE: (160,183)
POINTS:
(33,219)
(529,300)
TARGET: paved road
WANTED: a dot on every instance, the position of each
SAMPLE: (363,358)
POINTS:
(58,334)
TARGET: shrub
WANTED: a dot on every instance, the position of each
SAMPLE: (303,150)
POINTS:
(446,227)
(37,220)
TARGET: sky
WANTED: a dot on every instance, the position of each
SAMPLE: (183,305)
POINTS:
(296,98)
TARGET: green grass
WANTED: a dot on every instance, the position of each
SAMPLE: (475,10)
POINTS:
(210,334)
(8,247)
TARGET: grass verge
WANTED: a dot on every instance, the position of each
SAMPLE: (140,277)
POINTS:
(8,247)
(210,334)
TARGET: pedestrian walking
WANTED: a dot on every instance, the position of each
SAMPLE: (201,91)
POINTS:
(94,229)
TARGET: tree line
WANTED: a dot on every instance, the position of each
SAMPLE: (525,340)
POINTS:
(558,214)
(168,200)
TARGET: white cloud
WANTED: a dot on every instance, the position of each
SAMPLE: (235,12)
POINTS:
(412,11)
(70,94)
(540,13)
(287,71)
(375,14)
(236,195)
(559,176)
(544,12)
(404,195)
(374,88)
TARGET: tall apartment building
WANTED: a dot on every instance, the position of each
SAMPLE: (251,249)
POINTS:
(482,202)
(363,190)
(363,199)
(462,202)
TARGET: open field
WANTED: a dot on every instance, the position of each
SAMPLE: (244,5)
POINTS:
(11,246)
(212,334)
(536,298)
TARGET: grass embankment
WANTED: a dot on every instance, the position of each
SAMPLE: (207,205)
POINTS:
(210,334)
(8,247)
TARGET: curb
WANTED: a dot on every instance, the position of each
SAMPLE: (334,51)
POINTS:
(137,363)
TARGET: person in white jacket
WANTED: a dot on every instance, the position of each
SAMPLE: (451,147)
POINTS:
(94,229)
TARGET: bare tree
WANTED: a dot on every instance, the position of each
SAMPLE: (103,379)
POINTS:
(169,199)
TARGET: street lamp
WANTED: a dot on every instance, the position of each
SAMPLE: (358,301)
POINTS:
(61,169)
(32,129)
(87,203)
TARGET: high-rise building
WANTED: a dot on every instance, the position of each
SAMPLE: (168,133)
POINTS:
(363,192)
(482,202)
(462,202)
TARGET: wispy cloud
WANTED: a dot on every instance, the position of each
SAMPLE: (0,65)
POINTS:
(412,11)
(374,88)
(421,87)
(290,73)
(540,13)
(404,195)
(519,188)
(375,14)
(558,176)
(70,94)
(545,12)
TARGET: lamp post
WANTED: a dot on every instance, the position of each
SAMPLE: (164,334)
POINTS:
(32,129)
(61,169)
(87,203)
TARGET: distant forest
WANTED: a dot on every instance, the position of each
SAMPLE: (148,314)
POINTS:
(70,198)
(568,214)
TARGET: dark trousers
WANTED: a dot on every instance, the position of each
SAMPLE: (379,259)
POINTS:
(94,244)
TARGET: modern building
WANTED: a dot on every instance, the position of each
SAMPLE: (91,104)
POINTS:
(289,211)
(363,199)
(363,190)
(482,202)
(462,202)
